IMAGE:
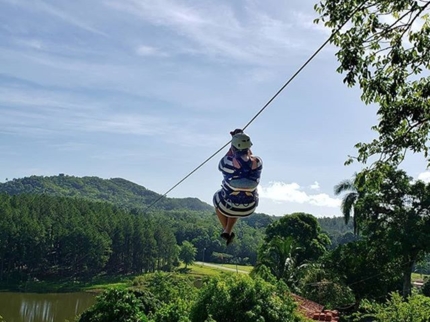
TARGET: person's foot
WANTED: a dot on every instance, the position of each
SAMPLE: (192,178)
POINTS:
(230,239)
(225,236)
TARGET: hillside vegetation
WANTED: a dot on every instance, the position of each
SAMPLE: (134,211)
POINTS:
(117,191)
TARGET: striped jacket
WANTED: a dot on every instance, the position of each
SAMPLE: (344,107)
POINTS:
(240,175)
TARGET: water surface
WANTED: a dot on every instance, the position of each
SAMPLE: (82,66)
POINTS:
(52,307)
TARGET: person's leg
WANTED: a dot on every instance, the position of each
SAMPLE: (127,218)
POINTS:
(222,219)
(230,224)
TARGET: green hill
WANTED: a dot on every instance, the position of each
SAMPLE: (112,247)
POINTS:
(118,191)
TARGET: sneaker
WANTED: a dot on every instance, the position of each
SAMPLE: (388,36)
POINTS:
(225,236)
(230,238)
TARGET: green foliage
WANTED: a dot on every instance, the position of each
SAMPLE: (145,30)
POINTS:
(332,225)
(395,211)
(415,309)
(323,287)
(115,305)
(187,253)
(339,232)
(167,287)
(177,311)
(264,272)
(175,293)
(56,227)
(47,238)
(385,51)
(117,191)
(277,256)
(304,229)
(44,237)
(241,298)
(367,269)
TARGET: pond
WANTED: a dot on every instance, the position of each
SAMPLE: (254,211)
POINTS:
(33,307)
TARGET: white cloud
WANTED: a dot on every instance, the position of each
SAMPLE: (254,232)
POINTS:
(292,192)
(424,176)
(45,113)
(315,186)
(31,43)
(216,30)
(306,21)
(149,51)
(42,6)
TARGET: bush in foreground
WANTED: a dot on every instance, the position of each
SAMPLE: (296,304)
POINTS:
(115,305)
(241,298)
(165,297)
(415,309)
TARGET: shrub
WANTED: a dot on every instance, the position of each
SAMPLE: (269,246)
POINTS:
(115,305)
(166,287)
(415,309)
(174,293)
(241,298)
(177,311)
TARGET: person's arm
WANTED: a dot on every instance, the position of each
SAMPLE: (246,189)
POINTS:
(226,166)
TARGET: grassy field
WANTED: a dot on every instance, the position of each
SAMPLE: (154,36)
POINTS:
(100,283)
(204,271)
(239,267)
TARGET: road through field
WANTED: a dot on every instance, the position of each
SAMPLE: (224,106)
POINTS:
(221,267)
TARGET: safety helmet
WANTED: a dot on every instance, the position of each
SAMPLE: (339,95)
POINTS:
(241,141)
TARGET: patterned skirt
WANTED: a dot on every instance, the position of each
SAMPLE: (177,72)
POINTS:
(237,204)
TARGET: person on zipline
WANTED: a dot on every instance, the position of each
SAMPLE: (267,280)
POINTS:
(238,197)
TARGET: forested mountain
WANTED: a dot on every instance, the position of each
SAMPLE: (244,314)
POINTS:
(45,236)
(118,191)
(339,232)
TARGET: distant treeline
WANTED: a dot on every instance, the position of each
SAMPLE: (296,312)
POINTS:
(339,232)
(66,226)
(43,236)
(118,191)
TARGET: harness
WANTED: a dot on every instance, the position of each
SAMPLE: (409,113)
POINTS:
(234,197)
(239,196)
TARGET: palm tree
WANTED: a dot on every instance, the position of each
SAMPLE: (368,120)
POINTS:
(278,256)
(349,187)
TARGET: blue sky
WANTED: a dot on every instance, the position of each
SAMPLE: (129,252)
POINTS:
(147,90)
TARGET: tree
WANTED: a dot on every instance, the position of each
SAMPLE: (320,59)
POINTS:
(322,286)
(415,308)
(396,212)
(348,200)
(369,271)
(187,253)
(304,229)
(115,305)
(241,298)
(385,49)
(174,295)
(277,256)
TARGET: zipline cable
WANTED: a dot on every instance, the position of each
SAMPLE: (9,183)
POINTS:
(266,105)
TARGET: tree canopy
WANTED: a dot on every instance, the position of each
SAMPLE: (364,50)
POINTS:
(385,49)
